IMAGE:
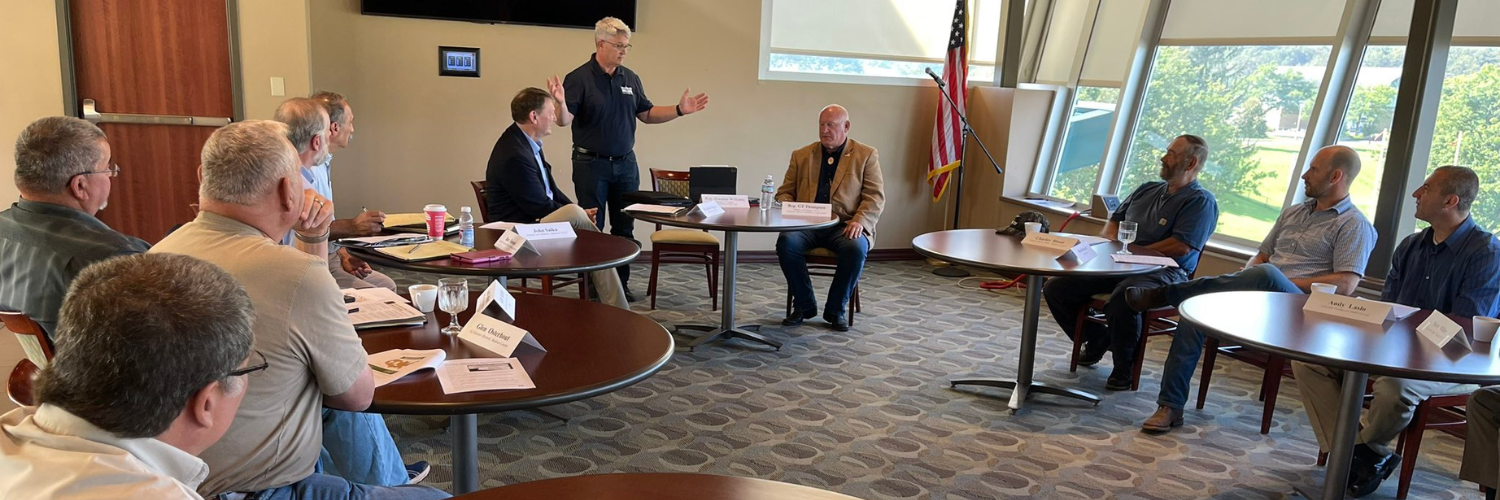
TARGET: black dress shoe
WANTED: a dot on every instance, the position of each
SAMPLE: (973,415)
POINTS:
(1369,469)
(837,323)
(797,317)
(1093,350)
(1145,299)
(1120,382)
(630,297)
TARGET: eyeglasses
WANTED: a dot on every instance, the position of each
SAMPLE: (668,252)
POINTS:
(253,368)
(619,46)
(113,171)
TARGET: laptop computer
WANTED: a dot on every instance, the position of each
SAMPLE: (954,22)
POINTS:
(710,179)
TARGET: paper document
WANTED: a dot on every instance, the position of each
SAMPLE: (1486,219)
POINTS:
(1398,311)
(388,240)
(411,219)
(657,209)
(500,225)
(390,366)
(423,251)
(1150,260)
(374,294)
(485,374)
(383,314)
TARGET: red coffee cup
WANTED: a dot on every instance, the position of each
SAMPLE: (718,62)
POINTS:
(437,220)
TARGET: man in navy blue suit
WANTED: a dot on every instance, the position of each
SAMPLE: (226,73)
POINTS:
(520,184)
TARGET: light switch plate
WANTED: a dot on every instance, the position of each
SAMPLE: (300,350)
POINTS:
(278,86)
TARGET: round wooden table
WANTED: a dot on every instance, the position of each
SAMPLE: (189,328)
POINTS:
(590,251)
(655,487)
(592,349)
(732,222)
(1274,322)
(984,249)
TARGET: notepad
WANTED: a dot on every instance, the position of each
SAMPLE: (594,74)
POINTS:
(411,219)
(424,251)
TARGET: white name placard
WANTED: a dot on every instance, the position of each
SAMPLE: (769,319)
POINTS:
(1440,330)
(512,242)
(498,295)
(811,211)
(547,231)
(728,200)
(1368,311)
(1062,246)
(710,208)
(496,336)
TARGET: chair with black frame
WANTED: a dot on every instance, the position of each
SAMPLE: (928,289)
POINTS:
(38,352)
(1155,322)
(548,283)
(823,262)
(682,246)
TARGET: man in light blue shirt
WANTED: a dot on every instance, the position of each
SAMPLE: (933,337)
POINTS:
(347,270)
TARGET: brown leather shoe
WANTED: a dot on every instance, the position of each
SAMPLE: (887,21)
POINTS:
(1163,420)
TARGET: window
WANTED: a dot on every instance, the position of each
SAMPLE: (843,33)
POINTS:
(1468,125)
(1251,103)
(889,41)
(1085,135)
(1367,121)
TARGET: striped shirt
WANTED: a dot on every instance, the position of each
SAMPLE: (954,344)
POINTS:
(43,247)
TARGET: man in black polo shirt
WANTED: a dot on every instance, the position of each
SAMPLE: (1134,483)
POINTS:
(63,171)
(606,99)
(1175,217)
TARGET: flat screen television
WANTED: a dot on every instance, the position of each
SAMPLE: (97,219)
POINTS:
(560,13)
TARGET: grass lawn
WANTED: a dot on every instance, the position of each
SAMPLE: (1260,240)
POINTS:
(1251,215)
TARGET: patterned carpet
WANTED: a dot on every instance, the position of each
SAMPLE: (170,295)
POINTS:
(869,413)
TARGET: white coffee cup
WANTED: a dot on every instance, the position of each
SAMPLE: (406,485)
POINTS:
(1484,328)
(424,296)
(1033,227)
(1325,287)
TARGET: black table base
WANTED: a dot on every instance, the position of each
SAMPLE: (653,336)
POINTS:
(747,332)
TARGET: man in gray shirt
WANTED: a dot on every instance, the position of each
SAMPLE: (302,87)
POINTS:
(63,171)
(1323,240)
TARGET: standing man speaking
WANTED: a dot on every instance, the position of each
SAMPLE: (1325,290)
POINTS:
(606,99)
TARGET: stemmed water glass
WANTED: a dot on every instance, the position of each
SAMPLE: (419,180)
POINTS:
(1126,235)
(453,298)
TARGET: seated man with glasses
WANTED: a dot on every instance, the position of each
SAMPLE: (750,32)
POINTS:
(153,353)
(251,194)
(63,171)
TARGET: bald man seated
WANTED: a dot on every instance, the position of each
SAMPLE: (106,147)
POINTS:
(846,174)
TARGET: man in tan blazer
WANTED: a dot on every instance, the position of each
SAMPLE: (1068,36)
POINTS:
(846,174)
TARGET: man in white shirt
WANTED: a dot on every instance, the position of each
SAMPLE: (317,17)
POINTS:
(153,354)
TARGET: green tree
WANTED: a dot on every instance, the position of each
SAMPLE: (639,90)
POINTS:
(1371,110)
(1468,133)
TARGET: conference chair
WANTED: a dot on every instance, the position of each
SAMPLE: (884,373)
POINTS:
(682,246)
(1275,368)
(1156,322)
(548,283)
(38,351)
(823,262)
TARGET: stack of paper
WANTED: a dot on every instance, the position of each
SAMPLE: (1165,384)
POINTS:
(657,209)
(390,366)
(383,241)
(379,307)
(423,251)
(483,374)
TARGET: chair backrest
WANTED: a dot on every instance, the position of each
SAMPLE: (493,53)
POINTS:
(18,386)
(1196,261)
(484,207)
(670,181)
(31,336)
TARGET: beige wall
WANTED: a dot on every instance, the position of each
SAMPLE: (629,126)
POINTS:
(421,138)
(30,77)
(273,42)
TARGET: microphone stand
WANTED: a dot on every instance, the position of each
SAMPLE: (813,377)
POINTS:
(968,132)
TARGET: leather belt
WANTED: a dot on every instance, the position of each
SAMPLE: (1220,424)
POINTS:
(583,151)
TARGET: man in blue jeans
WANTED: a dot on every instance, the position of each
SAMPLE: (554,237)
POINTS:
(1175,217)
(844,173)
(1323,240)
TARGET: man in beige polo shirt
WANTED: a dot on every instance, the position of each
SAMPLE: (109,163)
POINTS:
(251,195)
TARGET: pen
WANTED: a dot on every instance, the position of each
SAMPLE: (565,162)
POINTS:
(415,247)
(353,310)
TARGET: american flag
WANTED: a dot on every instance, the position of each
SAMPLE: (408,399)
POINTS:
(947,135)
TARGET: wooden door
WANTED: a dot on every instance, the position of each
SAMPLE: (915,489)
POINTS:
(153,61)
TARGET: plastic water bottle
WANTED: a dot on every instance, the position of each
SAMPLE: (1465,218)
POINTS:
(466,227)
(767,193)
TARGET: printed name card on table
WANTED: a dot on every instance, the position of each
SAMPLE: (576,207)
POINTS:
(512,242)
(817,212)
(1440,330)
(546,231)
(497,336)
(1062,246)
(710,208)
(728,200)
(1368,311)
(498,295)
